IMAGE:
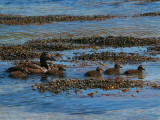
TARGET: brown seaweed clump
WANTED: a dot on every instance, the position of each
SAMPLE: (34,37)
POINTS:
(116,57)
(20,20)
(56,46)
(153,50)
(58,86)
(109,41)
(149,14)
(19,52)
(10,19)
(154,85)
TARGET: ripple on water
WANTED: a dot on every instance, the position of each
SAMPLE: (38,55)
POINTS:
(139,27)
(78,7)
(17,96)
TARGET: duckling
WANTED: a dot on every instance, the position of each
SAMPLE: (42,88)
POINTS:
(94,73)
(31,68)
(18,74)
(115,70)
(135,72)
(58,71)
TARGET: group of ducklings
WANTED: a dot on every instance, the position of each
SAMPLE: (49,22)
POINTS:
(22,70)
(115,70)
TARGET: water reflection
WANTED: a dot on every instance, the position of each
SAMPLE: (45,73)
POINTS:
(44,77)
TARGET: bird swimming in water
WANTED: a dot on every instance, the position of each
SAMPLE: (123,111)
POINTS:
(31,68)
(115,70)
(135,72)
(94,73)
(58,71)
(18,74)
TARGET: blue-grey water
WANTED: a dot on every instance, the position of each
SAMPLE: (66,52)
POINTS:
(78,7)
(19,101)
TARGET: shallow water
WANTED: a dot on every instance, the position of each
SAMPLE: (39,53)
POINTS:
(17,96)
(19,101)
(78,7)
(139,27)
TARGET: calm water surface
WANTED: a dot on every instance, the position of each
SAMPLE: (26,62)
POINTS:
(19,101)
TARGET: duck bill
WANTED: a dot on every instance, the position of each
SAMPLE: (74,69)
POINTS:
(52,59)
(102,70)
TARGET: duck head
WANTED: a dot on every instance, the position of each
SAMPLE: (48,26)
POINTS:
(43,59)
(117,66)
(99,69)
(61,68)
(140,67)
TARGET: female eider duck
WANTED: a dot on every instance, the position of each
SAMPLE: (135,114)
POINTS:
(94,73)
(135,72)
(115,70)
(18,74)
(31,68)
(58,71)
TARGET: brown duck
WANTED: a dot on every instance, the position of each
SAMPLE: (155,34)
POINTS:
(31,68)
(115,70)
(135,72)
(18,74)
(58,71)
(94,73)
